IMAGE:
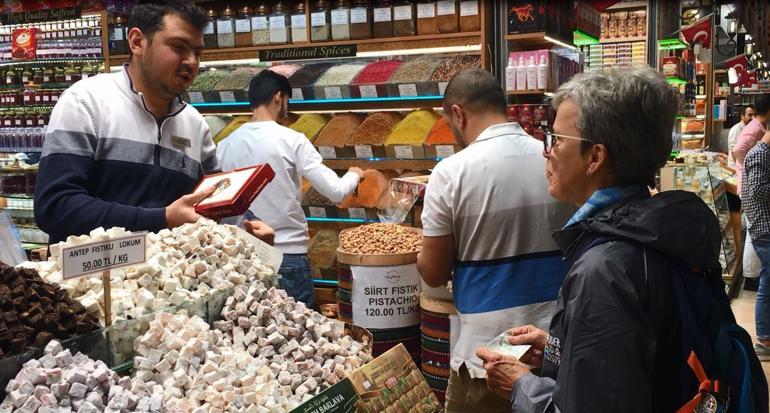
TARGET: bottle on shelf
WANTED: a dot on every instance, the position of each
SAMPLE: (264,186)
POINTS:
(340,17)
(701,86)
(118,36)
(383,19)
(279,25)
(243,27)
(226,29)
(542,72)
(260,28)
(521,75)
(510,75)
(210,31)
(361,20)
(319,22)
(299,24)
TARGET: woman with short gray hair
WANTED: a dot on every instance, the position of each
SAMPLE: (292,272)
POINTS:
(614,341)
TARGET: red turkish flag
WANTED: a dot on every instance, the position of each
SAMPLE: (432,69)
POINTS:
(740,63)
(698,32)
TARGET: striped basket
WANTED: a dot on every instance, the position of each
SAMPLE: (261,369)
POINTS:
(434,343)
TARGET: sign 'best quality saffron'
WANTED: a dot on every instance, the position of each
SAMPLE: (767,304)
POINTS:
(386,297)
(100,256)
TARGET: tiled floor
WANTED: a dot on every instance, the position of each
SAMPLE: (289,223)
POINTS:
(743,308)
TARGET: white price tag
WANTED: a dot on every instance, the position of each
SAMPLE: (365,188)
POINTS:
(277,22)
(357,213)
(402,13)
(195,97)
(296,94)
(327,152)
(259,23)
(444,151)
(225,27)
(359,15)
(442,87)
(404,152)
(242,26)
(407,90)
(368,91)
(426,11)
(333,92)
(209,28)
(364,151)
(340,16)
(469,8)
(227,97)
(317,212)
(318,19)
(386,297)
(383,15)
(446,7)
(299,21)
(117,34)
(100,256)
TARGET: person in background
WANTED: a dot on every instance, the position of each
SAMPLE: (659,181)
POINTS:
(123,149)
(292,156)
(735,131)
(487,217)
(756,201)
(750,135)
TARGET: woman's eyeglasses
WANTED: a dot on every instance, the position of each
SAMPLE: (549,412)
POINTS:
(551,139)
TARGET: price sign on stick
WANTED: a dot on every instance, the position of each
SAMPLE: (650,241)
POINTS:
(101,257)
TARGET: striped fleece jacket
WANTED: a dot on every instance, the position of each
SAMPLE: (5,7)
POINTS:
(108,162)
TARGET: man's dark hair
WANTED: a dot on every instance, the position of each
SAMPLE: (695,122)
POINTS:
(265,85)
(148,16)
(748,107)
(476,91)
(762,104)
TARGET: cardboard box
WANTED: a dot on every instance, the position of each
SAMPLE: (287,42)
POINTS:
(24,44)
(236,191)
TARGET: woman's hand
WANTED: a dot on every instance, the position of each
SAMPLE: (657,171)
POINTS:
(502,371)
(533,336)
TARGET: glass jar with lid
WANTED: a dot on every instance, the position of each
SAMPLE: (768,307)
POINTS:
(26,75)
(319,22)
(279,25)
(59,75)
(361,20)
(403,19)
(260,30)
(299,24)
(87,71)
(71,75)
(448,16)
(426,17)
(341,20)
(383,19)
(48,75)
(226,28)
(469,16)
(210,31)
(243,27)
(118,36)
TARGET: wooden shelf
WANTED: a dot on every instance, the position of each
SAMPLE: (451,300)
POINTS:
(528,92)
(411,164)
(628,5)
(365,45)
(342,105)
(623,40)
(536,39)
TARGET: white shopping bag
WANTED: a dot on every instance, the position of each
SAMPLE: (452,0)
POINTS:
(751,263)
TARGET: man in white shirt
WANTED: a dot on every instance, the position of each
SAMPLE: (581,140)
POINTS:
(735,131)
(292,156)
(487,224)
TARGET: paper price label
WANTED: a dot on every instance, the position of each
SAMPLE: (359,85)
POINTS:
(340,17)
(446,7)
(364,151)
(259,23)
(357,213)
(383,15)
(242,26)
(333,92)
(368,91)
(209,28)
(296,94)
(227,97)
(327,152)
(407,90)
(318,19)
(404,152)
(100,256)
(317,212)
(469,8)
(402,12)
(358,15)
(225,27)
(442,87)
(445,151)
(386,297)
(299,21)
(426,11)
(195,97)
(277,22)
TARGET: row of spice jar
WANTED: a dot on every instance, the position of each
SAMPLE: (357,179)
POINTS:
(30,97)
(24,139)
(329,21)
(43,75)
(85,27)
(22,119)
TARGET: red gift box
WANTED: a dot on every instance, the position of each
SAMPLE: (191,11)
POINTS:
(24,44)
(235,192)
